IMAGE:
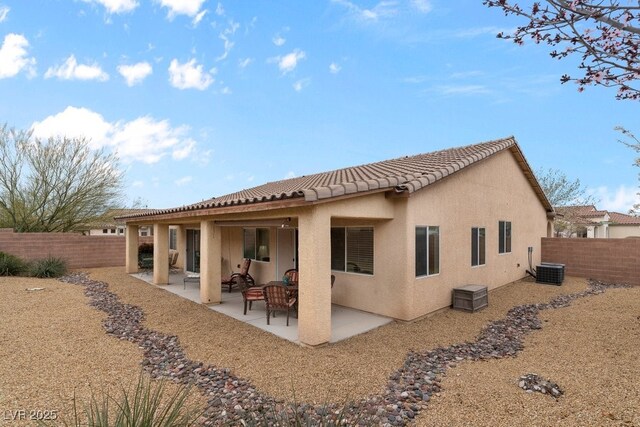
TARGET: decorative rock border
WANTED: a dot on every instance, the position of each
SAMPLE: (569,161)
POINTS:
(231,399)
(534,382)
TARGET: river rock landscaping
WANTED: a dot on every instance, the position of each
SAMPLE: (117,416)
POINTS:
(231,399)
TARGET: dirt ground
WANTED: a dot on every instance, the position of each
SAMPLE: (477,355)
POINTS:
(53,342)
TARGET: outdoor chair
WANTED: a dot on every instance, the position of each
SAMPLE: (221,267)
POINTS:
(278,298)
(292,275)
(230,281)
(333,279)
(249,293)
(173,258)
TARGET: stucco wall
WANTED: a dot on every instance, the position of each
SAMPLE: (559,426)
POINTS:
(478,196)
(622,231)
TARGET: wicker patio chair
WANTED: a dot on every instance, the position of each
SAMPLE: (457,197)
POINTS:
(230,281)
(292,274)
(249,293)
(278,298)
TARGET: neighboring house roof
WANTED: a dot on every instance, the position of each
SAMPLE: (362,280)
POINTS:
(403,174)
(622,219)
(110,219)
(585,215)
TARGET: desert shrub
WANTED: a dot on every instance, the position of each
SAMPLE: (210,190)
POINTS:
(48,267)
(147,405)
(11,265)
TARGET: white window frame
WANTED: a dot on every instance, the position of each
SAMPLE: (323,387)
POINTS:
(502,223)
(373,244)
(478,247)
(427,255)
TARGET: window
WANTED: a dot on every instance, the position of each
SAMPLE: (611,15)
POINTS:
(504,237)
(427,251)
(352,249)
(113,231)
(105,231)
(477,246)
(173,238)
(256,244)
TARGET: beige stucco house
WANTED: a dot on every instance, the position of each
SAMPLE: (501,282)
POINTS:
(587,221)
(397,234)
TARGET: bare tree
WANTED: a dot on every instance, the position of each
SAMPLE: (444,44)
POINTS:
(605,33)
(54,185)
(561,191)
(632,142)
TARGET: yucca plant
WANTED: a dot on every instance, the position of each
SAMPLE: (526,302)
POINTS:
(147,405)
(49,267)
(11,265)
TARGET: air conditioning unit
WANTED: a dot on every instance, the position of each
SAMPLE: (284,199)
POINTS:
(470,298)
(549,273)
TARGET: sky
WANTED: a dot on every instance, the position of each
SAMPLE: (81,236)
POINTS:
(201,98)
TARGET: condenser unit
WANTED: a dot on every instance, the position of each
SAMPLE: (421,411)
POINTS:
(552,274)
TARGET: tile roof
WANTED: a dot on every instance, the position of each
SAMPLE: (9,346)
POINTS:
(622,219)
(409,173)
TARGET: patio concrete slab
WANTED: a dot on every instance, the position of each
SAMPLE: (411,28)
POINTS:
(345,322)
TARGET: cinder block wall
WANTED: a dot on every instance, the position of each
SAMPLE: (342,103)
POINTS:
(79,251)
(608,260)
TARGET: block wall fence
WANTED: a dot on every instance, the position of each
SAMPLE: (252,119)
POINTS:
(79,251)
(608,260)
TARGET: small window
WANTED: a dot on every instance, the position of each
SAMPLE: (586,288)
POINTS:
(504,237)
(427,251)
(113,231)
(256,244)
(352,249)
(105,231)
(173,238)
(478,246)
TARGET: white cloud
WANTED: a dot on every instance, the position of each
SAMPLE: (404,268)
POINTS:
(278,40)
(334,68)
(290,174)
(183,181)
(383,9)
(74,123)
(4,12)
(196,20)
(219,9)
(462,89)
(243,63)
(182,7)
(618,200)
(289,62)
(422,6)
(189,75)
(226,90)
(137,184)
(301,84)
(14,58)
(143,139)
(135,73)
(116,6)
(224,36)
(71,70)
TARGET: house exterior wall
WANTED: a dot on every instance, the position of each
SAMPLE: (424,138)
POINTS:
(622,231)
(478,196)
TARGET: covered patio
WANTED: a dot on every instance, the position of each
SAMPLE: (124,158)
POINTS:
(345,322)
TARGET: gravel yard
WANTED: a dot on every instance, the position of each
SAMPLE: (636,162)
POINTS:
(590,349)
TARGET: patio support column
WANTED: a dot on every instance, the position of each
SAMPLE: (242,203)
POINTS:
(314,306)
(181,246)
(160,254)
(210,266)
(131,249)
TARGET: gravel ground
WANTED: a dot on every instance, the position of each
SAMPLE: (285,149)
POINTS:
(350,369)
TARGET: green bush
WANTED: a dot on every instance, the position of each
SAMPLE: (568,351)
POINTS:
(11,265)
(48,267)
(147,405)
